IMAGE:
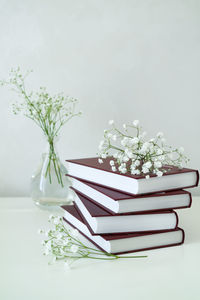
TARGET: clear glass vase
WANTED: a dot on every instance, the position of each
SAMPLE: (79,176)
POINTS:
(49,185)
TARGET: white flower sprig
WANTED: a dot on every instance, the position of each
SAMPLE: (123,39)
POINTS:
(133,153)
(64,244)
(49,112)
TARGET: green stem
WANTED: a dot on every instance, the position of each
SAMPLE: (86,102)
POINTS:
(55,161)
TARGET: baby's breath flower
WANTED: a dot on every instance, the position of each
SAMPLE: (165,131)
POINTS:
(148,164)
(136,162)
(64,244)
(157,164)
(159,151)
(100,160)
(162,157)
(57,220)
(124,141)
(111,122)
(114,137)
(159,173)
(135,140)
(49,112)
(170,155)
(145,170)
(181,150)
(51,217)
(136,172)
(112,163)
(125,158)
(47,232)
(159,135)
(137,154)
(136,123)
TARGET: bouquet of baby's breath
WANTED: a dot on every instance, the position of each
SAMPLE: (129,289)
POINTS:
(49,112)
(132,152)
(64,244)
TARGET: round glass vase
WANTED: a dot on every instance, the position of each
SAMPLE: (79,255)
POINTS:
(49,185)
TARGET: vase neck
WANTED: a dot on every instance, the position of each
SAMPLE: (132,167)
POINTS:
(51,146)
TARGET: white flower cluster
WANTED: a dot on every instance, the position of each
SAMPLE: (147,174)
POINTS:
(60,243)
(135,154)
(64,244)
(49,112)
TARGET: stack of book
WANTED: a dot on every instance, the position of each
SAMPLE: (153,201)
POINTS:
(122,213)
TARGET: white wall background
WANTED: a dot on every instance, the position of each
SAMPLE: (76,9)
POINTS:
(124,60)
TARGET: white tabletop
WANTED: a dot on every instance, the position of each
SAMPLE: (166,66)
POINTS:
(168,273)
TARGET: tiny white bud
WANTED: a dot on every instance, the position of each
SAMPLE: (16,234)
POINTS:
(100,161)
(135,123)
(57,220)
(159,174)
(157,164)
(51,217)
(159,151)
(114,169)
(111,122)
(181,150)
(112,163)
(159,134)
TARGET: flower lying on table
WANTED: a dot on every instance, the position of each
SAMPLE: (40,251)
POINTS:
(64,244)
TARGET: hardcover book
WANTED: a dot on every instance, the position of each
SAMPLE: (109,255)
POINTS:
(123,243)
(101,221)
(91,170)
(118,202)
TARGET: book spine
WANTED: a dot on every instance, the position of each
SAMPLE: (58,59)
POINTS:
(177,219)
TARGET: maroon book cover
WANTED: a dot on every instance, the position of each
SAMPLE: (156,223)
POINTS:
(108,237)
(97,211)
(120,196)
(105,166)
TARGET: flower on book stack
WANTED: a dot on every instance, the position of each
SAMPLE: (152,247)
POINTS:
(125,201)
(133,153)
